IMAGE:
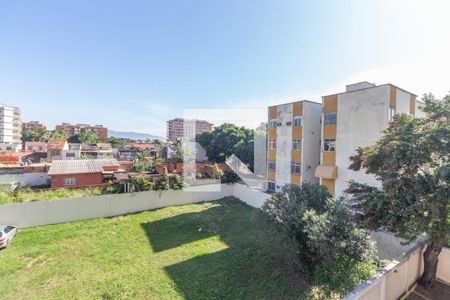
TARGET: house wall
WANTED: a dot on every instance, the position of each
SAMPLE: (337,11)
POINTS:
(25,179)
(86,179)
(361,117)
(284,146)
(312,113)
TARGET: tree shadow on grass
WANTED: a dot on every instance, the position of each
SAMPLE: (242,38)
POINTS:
(257,263)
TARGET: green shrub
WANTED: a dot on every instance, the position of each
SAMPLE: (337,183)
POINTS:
(320,225)
(230,177)
(178,182)
(161,183)
(140,184)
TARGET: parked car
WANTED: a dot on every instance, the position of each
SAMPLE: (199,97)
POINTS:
(7,232)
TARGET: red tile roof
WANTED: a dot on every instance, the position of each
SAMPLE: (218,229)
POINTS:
(56,144)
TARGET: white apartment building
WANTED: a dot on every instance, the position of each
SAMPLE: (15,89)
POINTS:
(10,128)
(293,143)
(357,118)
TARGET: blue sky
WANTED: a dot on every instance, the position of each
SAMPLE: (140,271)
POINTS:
(131,65)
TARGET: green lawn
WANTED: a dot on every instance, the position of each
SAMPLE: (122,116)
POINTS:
(28,195)
(222,249)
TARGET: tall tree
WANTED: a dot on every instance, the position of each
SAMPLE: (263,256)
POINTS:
(411,160)
(87,137)
(228,139)
(35,135)
(59,135)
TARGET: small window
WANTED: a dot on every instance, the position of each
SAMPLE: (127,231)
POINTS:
(272,165)
(69,181)
(279,124)
(296,168)
(391,113)
(271,186)
(298,122)
(329,118)
(329,145)
(288,123)
(70,154)
(273,123)
(272,144)
(297,145)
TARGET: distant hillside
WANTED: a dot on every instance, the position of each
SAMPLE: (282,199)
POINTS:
(133,135)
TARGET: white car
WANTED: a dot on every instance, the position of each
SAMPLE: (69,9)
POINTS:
(7,232)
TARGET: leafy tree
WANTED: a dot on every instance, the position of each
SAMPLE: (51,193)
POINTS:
(180,153)
(139,184)
(228,139)
(411,160)
(36,135)
(59,135)
(177,182)
(320,225)
(87,137)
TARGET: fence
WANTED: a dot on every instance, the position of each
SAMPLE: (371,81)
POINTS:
(398,277)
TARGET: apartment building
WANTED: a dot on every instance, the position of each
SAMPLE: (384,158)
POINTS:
(33,125)
(185,129)
(356,118)
(72,130)
(10,128)
(293,143)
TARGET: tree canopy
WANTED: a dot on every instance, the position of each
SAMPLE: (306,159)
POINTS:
(87,137)
(35,135)
(411,160)
(59,135)
(228,139)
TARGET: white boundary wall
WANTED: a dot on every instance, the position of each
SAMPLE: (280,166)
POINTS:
(399,276)
(30,214)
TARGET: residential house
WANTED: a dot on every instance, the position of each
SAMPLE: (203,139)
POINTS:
(73,152)
(356,118)
(81,172)
(55,149)
(35,146)
(293,143)
(99,150)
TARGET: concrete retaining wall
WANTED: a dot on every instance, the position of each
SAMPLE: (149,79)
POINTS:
(398,277)
(30,214)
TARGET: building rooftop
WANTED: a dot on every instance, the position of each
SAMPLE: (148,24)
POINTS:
(56,144)
(79,166)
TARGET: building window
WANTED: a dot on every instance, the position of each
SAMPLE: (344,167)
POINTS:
(391,113)
(271,186)
(70,154)
(329,145)
(273,123)
(296,168)
(288,123)
(329,118)
(272,144)
(272,165)
(69,181)
(297,145)
(298,122)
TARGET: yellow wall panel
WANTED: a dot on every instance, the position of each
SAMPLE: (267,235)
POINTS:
(392,96)
(272,112)
(298,108)
(271,175)
(329,183)
(329,159)
(272,133)
(296,156)
(296,133)
(329,131)
(295,179)
(271,154)
(329,103)
(412,104)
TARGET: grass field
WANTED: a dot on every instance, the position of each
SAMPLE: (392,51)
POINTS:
(28,195)
(222,249)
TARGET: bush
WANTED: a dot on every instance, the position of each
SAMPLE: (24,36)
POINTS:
(113,188)
(321,226)
(140,183)
(143,166)
(178,182)
(161,183)
(230,177)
